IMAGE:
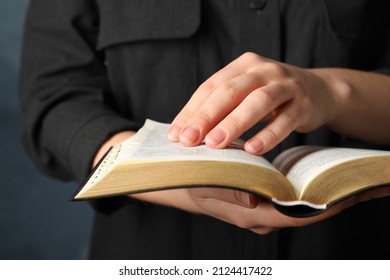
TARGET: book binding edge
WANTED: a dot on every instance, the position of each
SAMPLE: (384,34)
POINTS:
(299,208)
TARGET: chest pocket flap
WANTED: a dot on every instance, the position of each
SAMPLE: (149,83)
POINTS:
(137,20)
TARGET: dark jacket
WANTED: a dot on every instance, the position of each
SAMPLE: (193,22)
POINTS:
(93,68)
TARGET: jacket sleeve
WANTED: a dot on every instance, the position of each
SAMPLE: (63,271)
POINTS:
(64,91)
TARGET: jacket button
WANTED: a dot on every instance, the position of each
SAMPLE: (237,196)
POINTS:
(258,5)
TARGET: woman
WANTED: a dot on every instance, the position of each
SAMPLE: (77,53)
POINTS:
(283,73)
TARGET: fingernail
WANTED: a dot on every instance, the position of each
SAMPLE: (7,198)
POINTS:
(254,146)
(173,133)
(247,199)
(189,136)
(215,137)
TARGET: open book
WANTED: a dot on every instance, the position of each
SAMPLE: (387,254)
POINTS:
(301,181)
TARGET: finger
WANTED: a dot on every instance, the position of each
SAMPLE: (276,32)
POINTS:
(244,64)
(232,213)
(241,198)
(255,107)
(262,219)
(221,102)
(284,122)
(230,71)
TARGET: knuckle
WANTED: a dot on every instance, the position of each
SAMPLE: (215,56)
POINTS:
(276,69)
(251,57)
(240,219)
(265,96)
(207,87)
(234,121)
(203,117)
(290,120)
(242,223)
(273,136)
(230,91)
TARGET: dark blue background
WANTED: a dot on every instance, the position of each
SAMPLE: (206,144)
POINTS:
(37,220)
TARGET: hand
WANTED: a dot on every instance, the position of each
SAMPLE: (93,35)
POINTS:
(247,91)
(246,210)
(235,207)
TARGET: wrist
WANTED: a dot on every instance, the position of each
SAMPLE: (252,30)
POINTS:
(338,91)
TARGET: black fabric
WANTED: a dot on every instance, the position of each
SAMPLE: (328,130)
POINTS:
(144,231)
(91,68)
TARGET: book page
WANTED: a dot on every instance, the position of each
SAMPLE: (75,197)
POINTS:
(151,143)
(104,167)
(306,168)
